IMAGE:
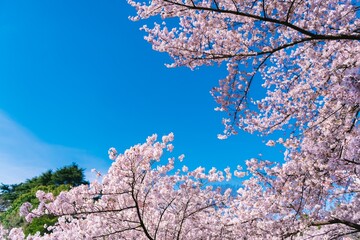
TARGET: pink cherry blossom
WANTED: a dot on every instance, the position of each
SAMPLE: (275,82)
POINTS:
(305,54)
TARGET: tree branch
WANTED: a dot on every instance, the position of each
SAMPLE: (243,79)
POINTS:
(337,221)
(271,20)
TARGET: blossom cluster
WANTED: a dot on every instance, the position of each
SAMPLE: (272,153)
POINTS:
(139,198)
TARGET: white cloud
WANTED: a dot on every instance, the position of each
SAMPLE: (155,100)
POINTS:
(23,155)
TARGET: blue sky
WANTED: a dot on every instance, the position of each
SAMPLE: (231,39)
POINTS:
(76,77)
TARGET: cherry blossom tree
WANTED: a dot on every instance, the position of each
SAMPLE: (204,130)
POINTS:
(306,54)
(305,51)
(137,200)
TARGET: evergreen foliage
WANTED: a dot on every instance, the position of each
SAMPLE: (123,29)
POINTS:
(12,196)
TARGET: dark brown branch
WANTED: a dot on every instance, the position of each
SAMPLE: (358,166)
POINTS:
(117,232)
(289,11)
(247,89)
(182,220)
(161,215)
(142,224)
(337,221)
(216,4)
(263,7)
(200,209)
(350,161)
(271,20)
(252,54)
(94,212)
